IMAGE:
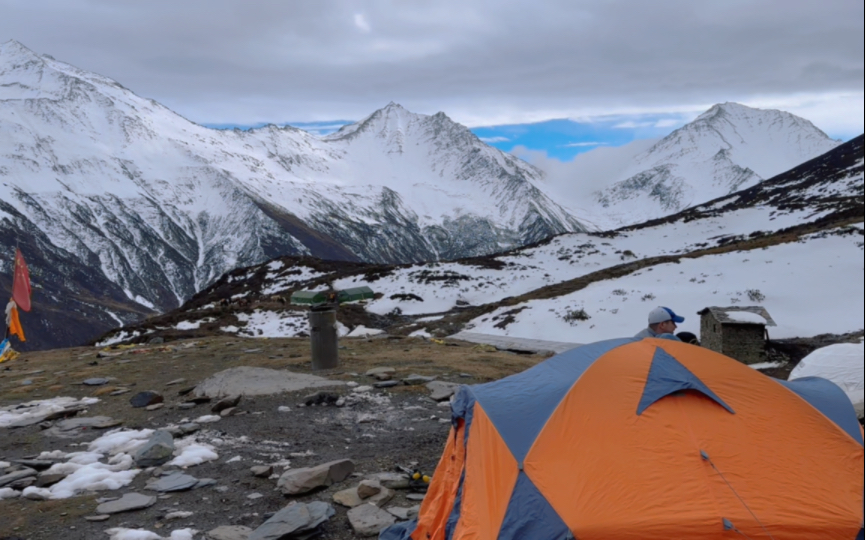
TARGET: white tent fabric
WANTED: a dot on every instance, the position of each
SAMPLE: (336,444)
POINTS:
(841,364)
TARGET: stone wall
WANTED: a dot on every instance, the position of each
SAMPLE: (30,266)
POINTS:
(711,333)
(744,342)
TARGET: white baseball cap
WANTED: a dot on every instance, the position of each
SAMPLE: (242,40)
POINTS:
(662,314)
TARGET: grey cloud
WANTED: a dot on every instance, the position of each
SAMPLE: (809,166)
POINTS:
(227,60)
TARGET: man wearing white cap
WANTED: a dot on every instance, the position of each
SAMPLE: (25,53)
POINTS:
(662,324)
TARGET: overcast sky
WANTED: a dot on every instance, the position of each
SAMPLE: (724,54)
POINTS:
(481,62)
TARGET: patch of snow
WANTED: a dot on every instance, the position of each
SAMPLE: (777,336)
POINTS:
(190,452)
(232,329)
(120,441)
(766,365)
(118,338)
(8,493)
(207,419)
(12,414)
(745,317)
(140,299)
(121,533)
(423,333)
(363,331)
(193,325)
(267,324)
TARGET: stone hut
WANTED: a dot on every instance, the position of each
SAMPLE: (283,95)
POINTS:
(738,331)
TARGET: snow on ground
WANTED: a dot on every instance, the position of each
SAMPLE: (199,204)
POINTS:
(288,278)
(121,533)
(108,463)
(193,325)
(809,287)
(191,452)
(439,287)
(12,414)
(118,338)
(273,323)
(363,331)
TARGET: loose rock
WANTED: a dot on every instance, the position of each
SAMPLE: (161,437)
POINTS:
(226,403)
(369,519)
(442,390)
(156,451)
(262,471)
(173,482)
(130,501)
(143,399)
(294,521)
(229,532)
(298,481)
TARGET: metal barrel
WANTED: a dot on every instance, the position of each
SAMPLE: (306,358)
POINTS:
(323,338)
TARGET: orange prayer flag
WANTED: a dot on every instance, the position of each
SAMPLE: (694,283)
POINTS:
(15,328)
(21,282)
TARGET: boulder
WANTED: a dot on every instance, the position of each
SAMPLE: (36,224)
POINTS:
(369,519)
(298,481)
(156,451)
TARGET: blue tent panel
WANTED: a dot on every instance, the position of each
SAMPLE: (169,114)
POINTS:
(529,515)
(544,386)
(666,376)
(399,531)
(830,400)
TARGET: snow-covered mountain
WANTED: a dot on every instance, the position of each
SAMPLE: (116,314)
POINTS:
(793,244)
(132,194)
(728,148)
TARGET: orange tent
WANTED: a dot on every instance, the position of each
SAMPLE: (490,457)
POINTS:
(647,440)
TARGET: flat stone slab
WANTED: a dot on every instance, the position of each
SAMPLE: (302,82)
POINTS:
(254,381)
(130,501)
(293,521)
(229,532)
(7,479)
(173,482)
(441,390)
(76,427)
(508,343)
(369,519)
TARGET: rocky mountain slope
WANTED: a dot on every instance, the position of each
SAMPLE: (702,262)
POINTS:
(728,148)
(152,208)
(792,241)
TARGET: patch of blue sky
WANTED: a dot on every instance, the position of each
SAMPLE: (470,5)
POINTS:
(564,139)
(561,139)
(316,128)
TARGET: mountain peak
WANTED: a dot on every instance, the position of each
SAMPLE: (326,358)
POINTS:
(13,53)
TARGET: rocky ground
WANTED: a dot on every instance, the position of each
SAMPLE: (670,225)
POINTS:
(379,430)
